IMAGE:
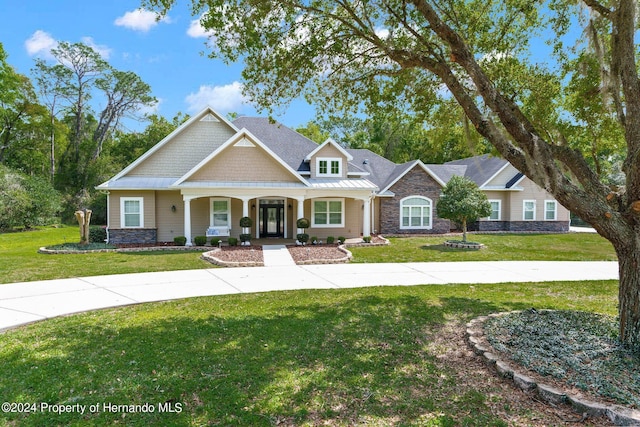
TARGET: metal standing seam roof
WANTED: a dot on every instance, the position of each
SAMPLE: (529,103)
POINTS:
(138,183)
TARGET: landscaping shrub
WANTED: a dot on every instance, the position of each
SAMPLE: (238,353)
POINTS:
(303,223)
(366,239)
(302,237)
(180,240)
(246,222)
(215,241)
(342,239)
(330,240)
(313,240)
(233,241)
(245,237)
(97,234)
(200,240)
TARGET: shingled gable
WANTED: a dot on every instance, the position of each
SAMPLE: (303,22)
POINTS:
(243,138)
(122,180)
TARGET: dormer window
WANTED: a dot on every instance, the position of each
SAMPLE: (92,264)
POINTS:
(329,167)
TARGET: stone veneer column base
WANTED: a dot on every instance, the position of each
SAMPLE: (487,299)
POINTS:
(143,236)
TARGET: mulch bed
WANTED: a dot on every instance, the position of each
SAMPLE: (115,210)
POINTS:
(308,253)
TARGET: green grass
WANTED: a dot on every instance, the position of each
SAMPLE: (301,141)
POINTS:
(21,262)
(371,356)
(500,247)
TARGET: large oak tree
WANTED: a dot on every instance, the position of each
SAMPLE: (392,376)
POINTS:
(347,54)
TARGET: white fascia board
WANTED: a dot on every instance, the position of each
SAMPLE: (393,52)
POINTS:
(423,166)
(166,139)
(243,133)
(507,164)
(335,144)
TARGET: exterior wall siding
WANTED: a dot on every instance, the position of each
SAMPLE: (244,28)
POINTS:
(170,224)
(149,203)
(416,182)
(250,164)
(353,216)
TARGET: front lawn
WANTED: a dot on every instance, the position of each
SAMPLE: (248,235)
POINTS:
(371,356)
(21,262)
(499,247)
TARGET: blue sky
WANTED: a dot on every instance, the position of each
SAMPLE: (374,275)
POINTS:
(169,55)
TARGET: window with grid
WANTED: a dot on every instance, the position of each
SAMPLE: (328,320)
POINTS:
(415,213)
(328,213)
(529,210)
(131,212)
(550,210)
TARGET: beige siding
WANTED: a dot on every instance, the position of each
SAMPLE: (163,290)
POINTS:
(352,221)
(503,196)
(501,179)
(170,224)
(251,164)
(149,204)
(200,216)
(532,192)
(328,151)
(185,150)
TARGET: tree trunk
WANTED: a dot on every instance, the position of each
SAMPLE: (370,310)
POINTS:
(629,294)
(464,230)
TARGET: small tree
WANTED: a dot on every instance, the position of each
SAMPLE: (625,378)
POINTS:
(462,201)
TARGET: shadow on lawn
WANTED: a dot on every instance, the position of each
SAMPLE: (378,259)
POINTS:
(366,358)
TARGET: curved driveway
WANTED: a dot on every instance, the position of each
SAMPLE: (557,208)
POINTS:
(22,303)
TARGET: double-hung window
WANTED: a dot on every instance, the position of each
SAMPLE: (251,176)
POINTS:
(550,210)
(496,208)
(328,213)
(220,213)
(529,210)
(415,213)
(132,212)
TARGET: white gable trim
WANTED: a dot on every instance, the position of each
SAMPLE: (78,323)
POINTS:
(202,114)
(335,144)
(410,167)
(486,183)
(243,134)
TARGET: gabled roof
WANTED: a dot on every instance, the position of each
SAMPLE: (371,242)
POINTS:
(402,170)
(207,114)
(329,141)
(481,169)
(286,143)
(239,138)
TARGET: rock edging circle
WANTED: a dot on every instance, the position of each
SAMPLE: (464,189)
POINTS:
(476,339)
(463,245)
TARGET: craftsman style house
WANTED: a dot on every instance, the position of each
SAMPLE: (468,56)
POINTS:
(208,173)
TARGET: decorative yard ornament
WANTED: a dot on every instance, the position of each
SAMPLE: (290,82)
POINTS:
(84,219)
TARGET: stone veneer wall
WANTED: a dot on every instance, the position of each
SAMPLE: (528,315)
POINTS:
(415,183)
(144,236)
(521,226)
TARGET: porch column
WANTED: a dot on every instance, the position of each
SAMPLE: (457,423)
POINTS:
(366,219)
(300,211)
(187,220)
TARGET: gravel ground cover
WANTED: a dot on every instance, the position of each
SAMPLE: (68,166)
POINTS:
(240,254)
(315,252)
(578,348)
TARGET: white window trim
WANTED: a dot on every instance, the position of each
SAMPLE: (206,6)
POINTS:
(313,213)
(555,210)
(329,160)
(420,227)
(524,210)
(141,213)
(499,202)
(216,199)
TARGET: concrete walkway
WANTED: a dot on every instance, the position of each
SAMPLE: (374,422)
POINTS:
(22,303)
(276,256)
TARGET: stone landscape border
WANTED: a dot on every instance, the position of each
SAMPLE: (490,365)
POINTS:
(210,257)
(477,340)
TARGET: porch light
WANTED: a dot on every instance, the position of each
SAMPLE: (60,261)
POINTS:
(173,208)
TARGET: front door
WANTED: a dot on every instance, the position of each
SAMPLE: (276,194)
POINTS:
(271,218)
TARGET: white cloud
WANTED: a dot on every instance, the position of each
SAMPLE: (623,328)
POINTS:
(140,20)
(196,30)
(40,43)
(225,99)
(383,33)
(102,50)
